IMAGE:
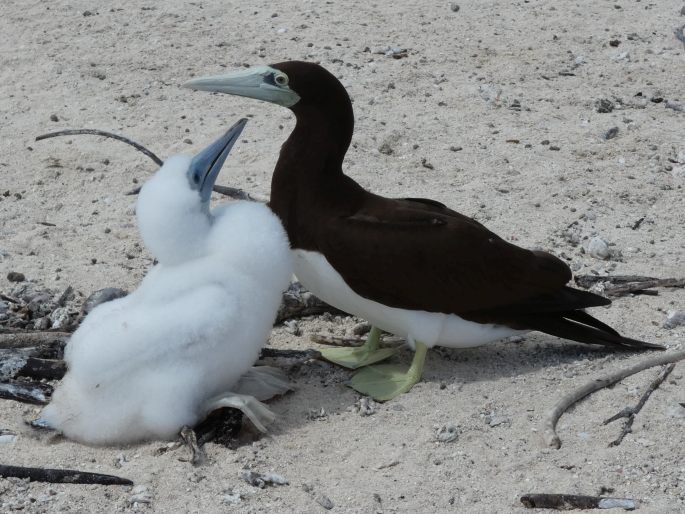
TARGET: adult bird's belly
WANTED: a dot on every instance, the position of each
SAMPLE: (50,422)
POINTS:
(431,328)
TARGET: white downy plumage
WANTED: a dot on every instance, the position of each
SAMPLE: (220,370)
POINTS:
(143,366)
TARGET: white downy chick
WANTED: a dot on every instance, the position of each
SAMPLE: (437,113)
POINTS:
(143,366)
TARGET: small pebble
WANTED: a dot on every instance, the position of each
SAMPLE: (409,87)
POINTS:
(598,248)
(366,406)
(610,134)
(53,117)
(426,164)
(603,105)
(140,494)
(674,319)
(324,501)
(385,149)
(447,433)
(231,498)
(261,480)
(15,276)
(454,7)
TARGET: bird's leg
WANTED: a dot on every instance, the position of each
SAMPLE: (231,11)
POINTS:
(386,381)
(258,413)
(366,354)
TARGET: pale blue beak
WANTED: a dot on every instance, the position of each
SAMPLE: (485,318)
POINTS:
(206,165)
(260,82)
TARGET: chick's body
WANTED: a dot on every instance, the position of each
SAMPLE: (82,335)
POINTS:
(140,367)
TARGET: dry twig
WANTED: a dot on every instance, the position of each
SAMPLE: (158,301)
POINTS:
(28,338)
(549,422)
(277,353)
(231,192)
(622,285)
(61,476)
(575,501)
(331,340)
(96,132)
(630,412)
(50,369)
(26,392)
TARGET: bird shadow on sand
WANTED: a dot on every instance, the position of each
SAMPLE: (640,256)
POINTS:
(321,391)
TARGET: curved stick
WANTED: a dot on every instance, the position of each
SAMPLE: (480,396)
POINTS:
(61,476)
(549,423)
(96,132)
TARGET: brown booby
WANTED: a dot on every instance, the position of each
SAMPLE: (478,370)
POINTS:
(410,266)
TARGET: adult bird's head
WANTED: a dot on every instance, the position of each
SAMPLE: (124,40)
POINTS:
(173,206)
(317,98)
(297,85)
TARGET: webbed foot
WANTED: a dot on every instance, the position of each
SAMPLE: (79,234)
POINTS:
(387,381)
(368,353)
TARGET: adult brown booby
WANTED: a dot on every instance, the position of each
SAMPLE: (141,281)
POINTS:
(411,266)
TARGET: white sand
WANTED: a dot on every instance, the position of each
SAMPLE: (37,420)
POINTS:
(456,88)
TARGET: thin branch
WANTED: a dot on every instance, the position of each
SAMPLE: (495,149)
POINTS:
(238,194)
(331,340)
(50,369)
(61,476)
(630,412)
(549,422)
(36,393)
(28,339)
(587,281)
(575,501)
(277,353)
(623,285)
(96,132)
(231,192)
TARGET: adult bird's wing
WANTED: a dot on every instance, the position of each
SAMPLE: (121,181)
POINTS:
(418,254)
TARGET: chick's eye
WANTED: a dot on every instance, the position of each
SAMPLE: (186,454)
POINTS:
(281,80)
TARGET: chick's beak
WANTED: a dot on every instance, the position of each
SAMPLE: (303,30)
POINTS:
(206,165)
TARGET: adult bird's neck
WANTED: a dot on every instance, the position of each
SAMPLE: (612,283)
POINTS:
(309,169)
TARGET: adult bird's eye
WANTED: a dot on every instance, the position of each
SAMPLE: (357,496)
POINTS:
(281,80)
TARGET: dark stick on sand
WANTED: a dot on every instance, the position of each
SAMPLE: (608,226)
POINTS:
(61,476)
(50,369)
(575,501)
(36,393)
(622,285)
(29,338)
(96,132)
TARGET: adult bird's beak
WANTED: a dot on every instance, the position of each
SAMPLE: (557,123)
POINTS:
(261,82)
(206,165)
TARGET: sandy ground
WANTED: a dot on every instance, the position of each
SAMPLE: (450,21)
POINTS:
(499,101)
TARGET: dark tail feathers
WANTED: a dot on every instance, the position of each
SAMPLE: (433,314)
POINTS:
(581,327)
